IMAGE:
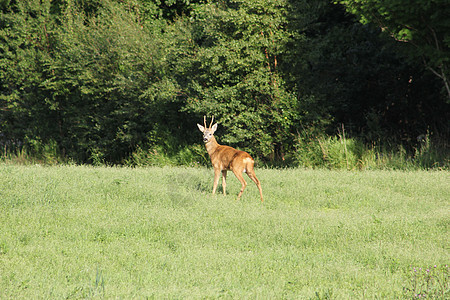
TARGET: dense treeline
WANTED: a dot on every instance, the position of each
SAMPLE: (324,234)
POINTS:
(125,81)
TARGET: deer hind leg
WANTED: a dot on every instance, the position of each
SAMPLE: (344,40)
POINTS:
(252,175)
(239,176)
(224,181)
(216,180)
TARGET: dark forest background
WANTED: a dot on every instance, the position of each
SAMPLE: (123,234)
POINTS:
(125,82)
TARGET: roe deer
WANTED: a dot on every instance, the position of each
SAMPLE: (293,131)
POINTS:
(224,158)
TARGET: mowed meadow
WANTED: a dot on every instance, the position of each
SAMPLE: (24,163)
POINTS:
(117,232)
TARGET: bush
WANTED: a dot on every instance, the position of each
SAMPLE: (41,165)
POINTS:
(334,152)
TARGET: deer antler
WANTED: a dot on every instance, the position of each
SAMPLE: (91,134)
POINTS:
(212,120)
(204,121)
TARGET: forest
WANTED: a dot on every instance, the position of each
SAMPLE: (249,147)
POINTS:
(340,84)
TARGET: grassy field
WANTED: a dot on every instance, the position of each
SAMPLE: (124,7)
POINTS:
(85,232)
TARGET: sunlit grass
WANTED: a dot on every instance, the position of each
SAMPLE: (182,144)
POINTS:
(79,232)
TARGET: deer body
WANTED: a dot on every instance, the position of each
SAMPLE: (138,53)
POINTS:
(226,158)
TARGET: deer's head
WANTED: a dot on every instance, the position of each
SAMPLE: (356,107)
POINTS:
(208,132)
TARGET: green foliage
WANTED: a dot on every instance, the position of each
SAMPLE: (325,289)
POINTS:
(358,78)
(424,24)
(234,74)
(110,82)
(102,84)
(114,72)
(25,37)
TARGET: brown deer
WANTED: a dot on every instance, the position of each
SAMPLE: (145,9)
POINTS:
(224,158)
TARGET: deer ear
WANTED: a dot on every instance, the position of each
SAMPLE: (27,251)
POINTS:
(201,128)
(214,128)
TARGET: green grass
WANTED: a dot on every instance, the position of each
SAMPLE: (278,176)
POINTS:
(85,232)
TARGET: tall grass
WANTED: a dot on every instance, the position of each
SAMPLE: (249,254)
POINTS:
(36,152)
(157,232)
(332,152)
(339,152)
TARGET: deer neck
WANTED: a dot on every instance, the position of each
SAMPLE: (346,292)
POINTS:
(212,145)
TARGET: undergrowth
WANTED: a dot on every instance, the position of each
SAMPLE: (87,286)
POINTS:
(330,152)
(339,152)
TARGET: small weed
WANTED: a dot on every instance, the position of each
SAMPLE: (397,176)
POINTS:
(3,247)
(99,285)
(431,283)
(324,295)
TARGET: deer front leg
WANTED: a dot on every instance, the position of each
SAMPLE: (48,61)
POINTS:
(216,179)
(224,181)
